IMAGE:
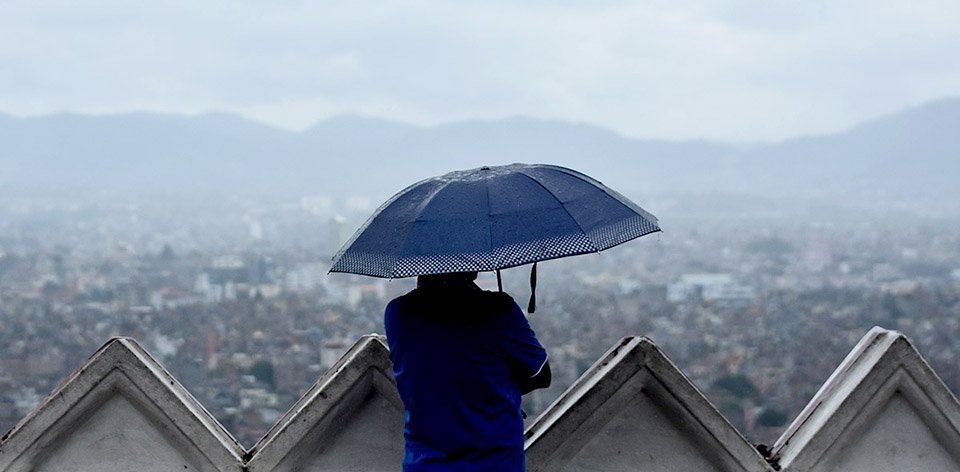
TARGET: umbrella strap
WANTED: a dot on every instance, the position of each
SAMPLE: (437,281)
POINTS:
(499,281)
(532,306)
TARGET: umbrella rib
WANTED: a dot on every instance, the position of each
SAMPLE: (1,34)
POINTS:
(348,245)
(630,204)
(496,262)
(426,201)
(544,187)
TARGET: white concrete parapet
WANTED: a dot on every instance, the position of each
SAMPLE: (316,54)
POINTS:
(121,411)
(883,409)
(634,410)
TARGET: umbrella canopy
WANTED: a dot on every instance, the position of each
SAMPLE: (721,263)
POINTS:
(491,218)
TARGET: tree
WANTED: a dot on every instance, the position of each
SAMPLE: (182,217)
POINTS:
(771,417)
(262,370)
(738,385)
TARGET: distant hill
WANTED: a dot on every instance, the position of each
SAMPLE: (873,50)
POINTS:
(911,159)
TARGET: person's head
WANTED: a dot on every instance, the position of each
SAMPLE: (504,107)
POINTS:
(451,278)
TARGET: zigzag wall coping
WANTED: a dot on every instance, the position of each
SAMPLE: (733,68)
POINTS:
(121,410)
(883,409)
(604,421)
(350,420)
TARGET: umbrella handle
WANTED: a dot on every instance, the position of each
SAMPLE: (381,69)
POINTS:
(499,282)
(532,306)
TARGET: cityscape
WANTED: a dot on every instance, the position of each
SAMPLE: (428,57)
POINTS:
(232,295)
(769,190)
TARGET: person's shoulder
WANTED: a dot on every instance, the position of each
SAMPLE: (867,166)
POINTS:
(393,304)
(496,301)
(399,303)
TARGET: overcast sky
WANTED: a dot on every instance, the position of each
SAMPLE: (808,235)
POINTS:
(668,69)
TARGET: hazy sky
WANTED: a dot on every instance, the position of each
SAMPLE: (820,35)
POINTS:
(708,68)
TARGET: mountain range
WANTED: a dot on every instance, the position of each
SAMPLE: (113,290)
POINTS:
(908,160)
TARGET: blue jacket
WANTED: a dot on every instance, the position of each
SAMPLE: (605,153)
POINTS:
(459,354)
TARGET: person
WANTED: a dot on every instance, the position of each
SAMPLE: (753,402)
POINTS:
(462,358)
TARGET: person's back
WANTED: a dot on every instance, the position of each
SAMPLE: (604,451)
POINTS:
(461,356)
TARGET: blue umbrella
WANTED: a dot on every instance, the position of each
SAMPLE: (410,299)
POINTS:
(491,218)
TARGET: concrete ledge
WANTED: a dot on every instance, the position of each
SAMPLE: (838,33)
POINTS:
(350,420)
(120,411)
(883,409)
(634,410)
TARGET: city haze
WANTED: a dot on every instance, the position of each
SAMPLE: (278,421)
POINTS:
(182,173)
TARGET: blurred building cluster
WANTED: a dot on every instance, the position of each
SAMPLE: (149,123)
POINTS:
(234,298)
